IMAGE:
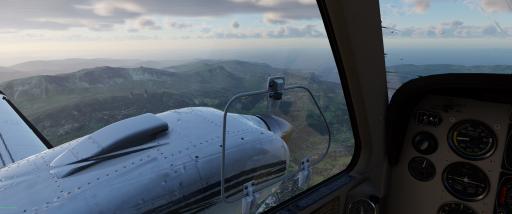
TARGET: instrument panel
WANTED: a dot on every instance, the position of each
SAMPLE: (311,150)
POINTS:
(453,159)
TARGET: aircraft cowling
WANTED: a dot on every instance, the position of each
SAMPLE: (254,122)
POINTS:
(175,170)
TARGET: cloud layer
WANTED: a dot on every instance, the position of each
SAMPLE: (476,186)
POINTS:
(451,29)
(307,31)
(402,7)
(418,6)
(64,14)
(496,5)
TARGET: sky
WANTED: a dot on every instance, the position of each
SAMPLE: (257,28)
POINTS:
(447,31)
(284,32)
(156,29)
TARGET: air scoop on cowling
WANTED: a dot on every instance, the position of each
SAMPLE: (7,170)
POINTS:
(118,139)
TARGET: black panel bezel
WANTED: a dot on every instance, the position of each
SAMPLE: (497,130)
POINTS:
(462,154)
(422,179)
(461,197)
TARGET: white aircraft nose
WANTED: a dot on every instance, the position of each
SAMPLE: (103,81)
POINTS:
(277,125)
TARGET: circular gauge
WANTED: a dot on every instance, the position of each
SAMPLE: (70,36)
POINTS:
(466,181)
(424,143)
(422,169)
(455,208)
(363,206)
(472,140)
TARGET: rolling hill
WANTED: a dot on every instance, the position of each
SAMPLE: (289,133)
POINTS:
(63,66)
(49,67)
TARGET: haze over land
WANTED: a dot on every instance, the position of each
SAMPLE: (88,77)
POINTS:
(323,69)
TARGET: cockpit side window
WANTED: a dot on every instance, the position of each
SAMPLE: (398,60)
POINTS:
(78,69)
(426,37)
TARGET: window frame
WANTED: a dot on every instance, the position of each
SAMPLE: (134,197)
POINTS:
(325,186)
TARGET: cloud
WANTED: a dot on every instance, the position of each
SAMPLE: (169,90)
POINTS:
(447,29)
(418,6)
(230,35)
(180,25)
(492,6)
(235,25)
(310,31)
(50,15)
(451,29)
(146,23)
(290,9)
(274,18)
(307,31)
(8,31)
(205,30)
(65,23)
(281,18)
(489,6)
(270,3)
(490,30)
(100,27)
(20,14)
(109,8)
(308,2)
(406,7)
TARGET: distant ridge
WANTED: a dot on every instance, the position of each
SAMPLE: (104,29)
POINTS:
(62,66)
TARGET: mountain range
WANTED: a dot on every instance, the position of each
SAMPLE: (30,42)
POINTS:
(53,67)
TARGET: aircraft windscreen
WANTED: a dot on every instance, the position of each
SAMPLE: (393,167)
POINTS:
(79,69)
(424,37)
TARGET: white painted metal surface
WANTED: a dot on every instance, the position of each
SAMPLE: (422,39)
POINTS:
(17,140)
(179,171)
